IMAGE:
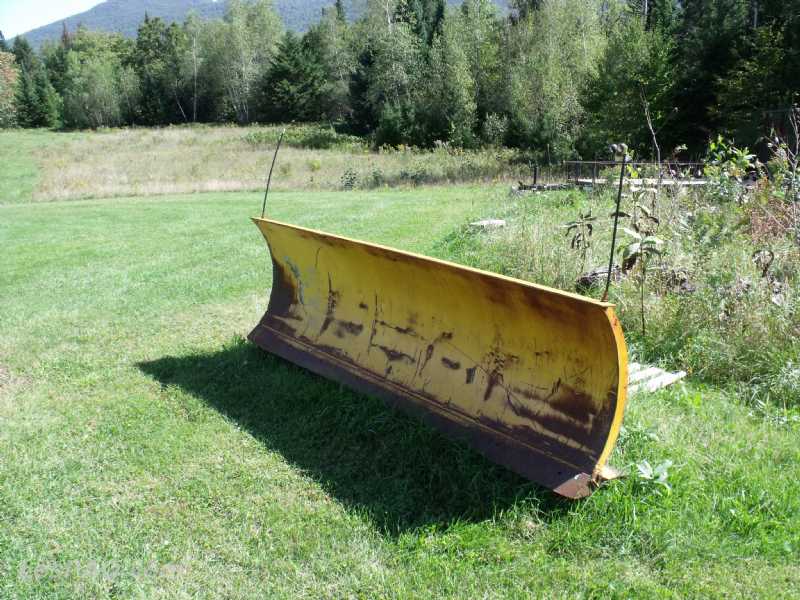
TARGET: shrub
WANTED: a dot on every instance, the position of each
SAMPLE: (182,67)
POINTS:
(349,179)
(308,136)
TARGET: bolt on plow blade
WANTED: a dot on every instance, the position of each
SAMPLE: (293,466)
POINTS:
(532,377)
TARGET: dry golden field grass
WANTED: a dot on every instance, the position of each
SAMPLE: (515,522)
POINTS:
(177,160)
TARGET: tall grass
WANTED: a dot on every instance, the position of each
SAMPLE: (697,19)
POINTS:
(186,159)
(709,307)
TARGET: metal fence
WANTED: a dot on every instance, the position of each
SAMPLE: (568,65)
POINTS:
(592,171)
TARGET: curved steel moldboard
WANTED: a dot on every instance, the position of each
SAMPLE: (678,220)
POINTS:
(533,377)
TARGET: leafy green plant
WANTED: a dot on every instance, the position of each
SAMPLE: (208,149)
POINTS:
(378,177)
(309,136)
(581,230)
(658,475)
(729,161)
(727,166)
(640,250)
(349,179)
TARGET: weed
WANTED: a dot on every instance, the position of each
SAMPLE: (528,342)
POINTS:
(581,230)
(349,179)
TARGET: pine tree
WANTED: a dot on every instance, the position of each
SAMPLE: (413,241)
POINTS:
(3,44)
(26,101)
(340,12)
(48,112)
(295,87)
(37,103)
(424,16)
(712,33)
(149,61)
(54,57)
(363,117)
(26,58)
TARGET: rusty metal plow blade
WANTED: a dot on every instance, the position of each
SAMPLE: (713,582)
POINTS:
(532,377)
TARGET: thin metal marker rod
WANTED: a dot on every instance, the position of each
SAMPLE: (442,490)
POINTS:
(269,178)
(616,222)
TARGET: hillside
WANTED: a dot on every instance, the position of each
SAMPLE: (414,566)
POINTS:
(124,16)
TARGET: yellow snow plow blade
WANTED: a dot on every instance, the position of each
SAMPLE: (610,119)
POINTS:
(533,377)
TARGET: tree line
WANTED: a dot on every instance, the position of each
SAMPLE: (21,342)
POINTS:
(558,77)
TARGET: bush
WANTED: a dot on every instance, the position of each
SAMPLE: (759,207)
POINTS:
(309,136)
(349,179)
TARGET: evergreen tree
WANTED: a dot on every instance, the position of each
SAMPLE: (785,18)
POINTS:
(424,16)
(339,12)
(765,73)
(362,118)
(49,109)
(25,101)
(295,88)
(25,56)
(4,45)
(711,33)
(150,63)
(38,104)
(55,59)
(664,16)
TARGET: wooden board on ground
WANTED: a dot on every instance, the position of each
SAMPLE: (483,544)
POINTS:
(649,379)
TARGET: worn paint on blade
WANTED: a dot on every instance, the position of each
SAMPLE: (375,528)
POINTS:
(533,377)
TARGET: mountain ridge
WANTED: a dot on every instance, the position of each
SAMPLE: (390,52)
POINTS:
(125,16)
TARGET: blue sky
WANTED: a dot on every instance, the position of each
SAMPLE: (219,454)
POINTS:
(19,16)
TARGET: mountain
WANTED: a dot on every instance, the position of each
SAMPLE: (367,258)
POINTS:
(124,16)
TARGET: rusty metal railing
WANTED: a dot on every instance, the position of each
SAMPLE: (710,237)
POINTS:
(590,171)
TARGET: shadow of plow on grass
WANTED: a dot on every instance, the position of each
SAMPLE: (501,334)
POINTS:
(398,470)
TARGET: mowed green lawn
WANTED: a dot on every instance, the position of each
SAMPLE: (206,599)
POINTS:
(147,450)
